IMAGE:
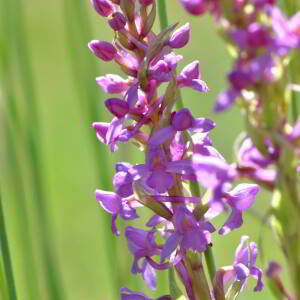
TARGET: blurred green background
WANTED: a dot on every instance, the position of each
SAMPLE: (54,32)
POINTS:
(51,163)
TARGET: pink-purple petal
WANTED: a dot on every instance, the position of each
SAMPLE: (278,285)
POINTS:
(170,246)
(161,135)
(110,201)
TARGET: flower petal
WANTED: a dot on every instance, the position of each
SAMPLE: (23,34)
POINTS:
(170,246)
(111,202)
(160,136)
(242,272)
(235,220)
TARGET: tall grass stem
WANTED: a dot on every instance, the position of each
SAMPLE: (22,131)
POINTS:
(8,270)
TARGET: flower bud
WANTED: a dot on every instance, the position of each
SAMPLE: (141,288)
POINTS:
(103,7)
(180,37)
(194,7)
(117,107)
(117,21)
(104,50)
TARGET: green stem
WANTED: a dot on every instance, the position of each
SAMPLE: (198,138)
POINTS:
(210,262)
(6,257)
(162,12)
(163,21)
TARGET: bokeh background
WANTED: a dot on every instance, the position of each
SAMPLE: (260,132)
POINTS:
(51,162)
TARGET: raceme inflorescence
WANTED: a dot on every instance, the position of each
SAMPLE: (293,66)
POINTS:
(178,151)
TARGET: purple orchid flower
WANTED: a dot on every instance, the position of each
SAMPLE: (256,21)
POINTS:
(250,156)
(113,84)
(127,294)
(117,206)
(188,234)
(252,164)
(142,245)
(154,173)
(123,180)
(181,121)
(111,133)
(239,199)
(287,31)
(210,171)
(162,70)
(243,266)
(190,77)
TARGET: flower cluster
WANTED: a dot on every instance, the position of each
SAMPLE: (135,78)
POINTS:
(265,76)
(178,154)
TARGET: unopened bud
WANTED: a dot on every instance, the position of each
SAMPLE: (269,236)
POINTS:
(104,50)
(180,37)
(195,7)
(117,21)
(103,7)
